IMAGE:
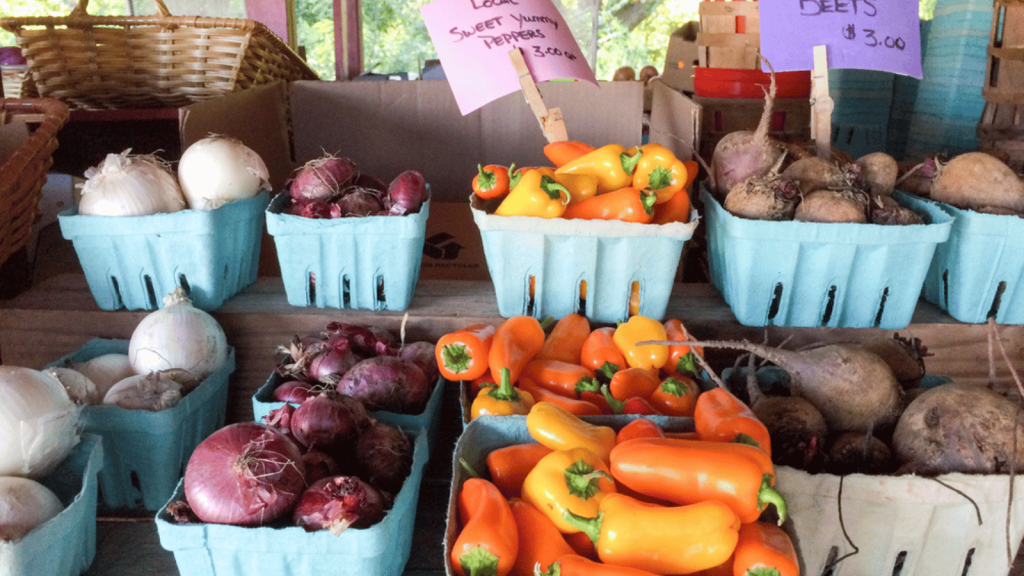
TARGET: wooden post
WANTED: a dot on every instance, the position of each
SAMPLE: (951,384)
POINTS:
(551,121)
(821,105)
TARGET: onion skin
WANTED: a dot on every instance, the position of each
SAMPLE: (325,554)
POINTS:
(328,421)
(323,178)
(339,503)
(357,202)
(244,474)
(385,455)
(293,391)
(407,193)
(387,383)
(24,506)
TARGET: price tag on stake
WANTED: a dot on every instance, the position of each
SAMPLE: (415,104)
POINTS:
(866,34)
(473,39)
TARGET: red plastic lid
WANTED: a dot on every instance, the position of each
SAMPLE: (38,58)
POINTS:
(739,83)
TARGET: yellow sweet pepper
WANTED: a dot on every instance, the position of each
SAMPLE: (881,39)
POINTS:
(559,429)
(661,539)
(639,329)
(575,480)
(502,400)
(612,164)
(581,186)
(537,193)
(660,172)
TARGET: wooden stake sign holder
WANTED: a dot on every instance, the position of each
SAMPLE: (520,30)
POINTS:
(821,105)
(551,121)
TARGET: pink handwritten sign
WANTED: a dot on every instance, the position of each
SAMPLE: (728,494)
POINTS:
(867,34)
(473,39)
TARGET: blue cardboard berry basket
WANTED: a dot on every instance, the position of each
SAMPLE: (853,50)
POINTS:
(66,544)
(145,452)
(131,262)
(369,263)
(263,403)
(977,273)
(383,549)
(555,267)
(822,275)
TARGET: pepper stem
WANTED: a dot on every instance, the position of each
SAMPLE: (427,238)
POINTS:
(589,526)
(468,468)
(617,406)
(505,391)
(479,562)
(767,495)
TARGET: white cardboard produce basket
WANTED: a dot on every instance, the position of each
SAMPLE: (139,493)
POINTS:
(952,525)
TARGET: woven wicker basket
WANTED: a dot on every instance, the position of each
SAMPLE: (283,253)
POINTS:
(115,62)
(23,174)
(17,82)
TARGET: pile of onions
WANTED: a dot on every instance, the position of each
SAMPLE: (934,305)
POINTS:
(179,337)
(220,169)
(24,506)
(38,423)
(130,185)
(245,474)
(332,187)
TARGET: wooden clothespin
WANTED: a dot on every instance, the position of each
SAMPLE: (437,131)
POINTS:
(821,105)
(551,121)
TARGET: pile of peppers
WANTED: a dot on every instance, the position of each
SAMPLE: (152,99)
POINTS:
(587,499)
(644,184)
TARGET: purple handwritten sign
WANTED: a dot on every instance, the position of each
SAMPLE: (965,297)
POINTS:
(866,34)
(473,39)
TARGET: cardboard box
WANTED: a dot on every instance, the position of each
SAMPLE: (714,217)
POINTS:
(681,57)
(388,127)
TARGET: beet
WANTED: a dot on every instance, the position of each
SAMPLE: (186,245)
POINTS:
(763,198)
(385,455)
(387,383)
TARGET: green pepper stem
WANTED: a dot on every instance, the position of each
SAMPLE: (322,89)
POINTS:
(617,406)
(589,526)
(768,495)
(479,562)
(505,391)
(465,465)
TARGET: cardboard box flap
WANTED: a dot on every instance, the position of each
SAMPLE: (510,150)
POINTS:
(256,116)
(675,121)
(388,127)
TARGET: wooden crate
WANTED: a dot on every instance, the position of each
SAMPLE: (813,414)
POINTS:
(730,35)
(1001,132)
(1004,74)
(791,119)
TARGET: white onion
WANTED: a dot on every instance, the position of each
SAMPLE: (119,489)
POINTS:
(220,169)
(38,422)
(130,185)
(105,370)
(79,387)
(24,506)
(153,392)
(178,336)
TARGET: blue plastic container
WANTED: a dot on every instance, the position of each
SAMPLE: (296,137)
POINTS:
(978,272)
(543,267)
(383,549)
(263,403)
(66,544)
(133,261)
(828,275)
(368,263)
(146,452)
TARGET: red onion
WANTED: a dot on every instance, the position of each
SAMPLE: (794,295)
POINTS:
(245,474)
(364,340)
(280,419)
(293,391)
(407,193)
(371,182)
(337,504)
(387,383)
(355,202)
(319,465)
(314,209)
(329,420)
(385,454)
(331,362)
(323,178)
(423,354)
